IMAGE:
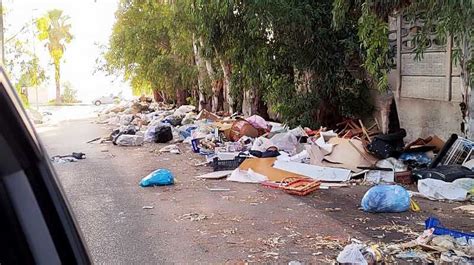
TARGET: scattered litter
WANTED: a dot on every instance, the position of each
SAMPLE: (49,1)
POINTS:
(60,159)
(215,175)
(173,149)
(314,172)
(300,186)
(194,217)
(217,189)
(302,160)
(294,262)
(466,208)
(129,140)
(440,230)
(332,209)
(380,176)
(435,189)
(201,164)
(246,176)
(351,254)
(93,140)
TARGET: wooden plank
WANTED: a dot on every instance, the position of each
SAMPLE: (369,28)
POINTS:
(364,131)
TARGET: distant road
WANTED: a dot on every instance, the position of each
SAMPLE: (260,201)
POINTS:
(67,113)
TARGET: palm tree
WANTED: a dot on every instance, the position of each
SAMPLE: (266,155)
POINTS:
(53,28)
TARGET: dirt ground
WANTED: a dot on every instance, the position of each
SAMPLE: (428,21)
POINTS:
(267,225)
(190,223)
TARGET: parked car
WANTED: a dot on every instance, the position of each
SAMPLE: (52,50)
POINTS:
(36,223)
(110,99)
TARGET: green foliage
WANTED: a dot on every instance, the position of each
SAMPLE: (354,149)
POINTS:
(69,95)
(23,67)
(447,18)
(292,56)
(283,51)
(54,28)
(150,47)
(373,35)
(444,18)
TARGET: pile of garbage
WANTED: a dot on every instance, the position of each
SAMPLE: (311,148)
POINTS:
(436,245)
(301,160)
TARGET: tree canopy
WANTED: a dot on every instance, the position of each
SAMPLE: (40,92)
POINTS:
(54,30)
(304,62)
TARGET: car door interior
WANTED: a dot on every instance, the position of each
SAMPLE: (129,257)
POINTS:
(36,224)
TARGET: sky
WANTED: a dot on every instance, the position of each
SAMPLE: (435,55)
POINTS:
(91,22)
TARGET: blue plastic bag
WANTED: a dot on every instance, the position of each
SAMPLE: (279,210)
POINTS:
(386,199)
(159,177)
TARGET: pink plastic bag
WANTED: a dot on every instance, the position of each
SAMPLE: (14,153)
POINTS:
(258,122)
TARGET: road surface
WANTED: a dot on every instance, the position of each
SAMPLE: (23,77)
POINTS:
(191,224)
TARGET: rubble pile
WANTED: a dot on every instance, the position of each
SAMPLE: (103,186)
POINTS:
(300,161)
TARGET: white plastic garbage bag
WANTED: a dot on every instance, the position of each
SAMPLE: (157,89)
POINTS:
(286,142)
(300,157)
(129,140)
(351,254)
(298,132)
(262,144)
(436,189)
(184,109)
(126,119)
(248,176)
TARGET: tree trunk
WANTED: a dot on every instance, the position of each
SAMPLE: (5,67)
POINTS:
(202,104)
(58,84)
(228,100)
(216,84)
(247,102)
(180,97)
(216,87)
(156,96)
(217,95)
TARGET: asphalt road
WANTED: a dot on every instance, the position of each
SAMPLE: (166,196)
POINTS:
(248,223)
(105,198)
(108,203)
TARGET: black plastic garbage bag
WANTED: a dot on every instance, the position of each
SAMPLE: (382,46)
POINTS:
(448,173)
(163,134)
(388,145)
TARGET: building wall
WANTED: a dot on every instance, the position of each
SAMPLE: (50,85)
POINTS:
(428,92)
(43,95)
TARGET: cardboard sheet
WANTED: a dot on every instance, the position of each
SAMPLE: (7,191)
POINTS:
(204,114)
(316,156)
(265,167)
(344,155)
(315,172)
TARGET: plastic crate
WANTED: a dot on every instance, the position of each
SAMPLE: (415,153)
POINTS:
(219,165)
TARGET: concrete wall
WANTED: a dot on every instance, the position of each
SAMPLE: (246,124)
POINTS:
(43,95)
(427,91)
